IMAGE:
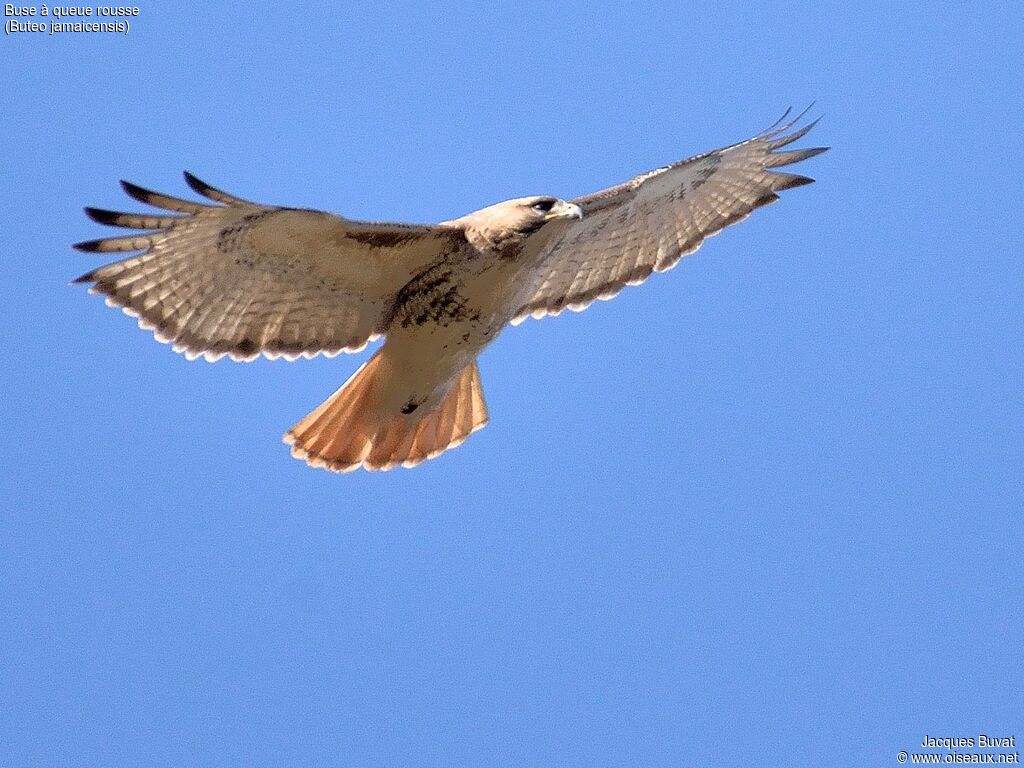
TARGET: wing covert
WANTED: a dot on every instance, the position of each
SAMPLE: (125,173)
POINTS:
(649,223)
(237,278)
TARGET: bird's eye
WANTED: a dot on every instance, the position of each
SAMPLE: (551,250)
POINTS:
(544,205)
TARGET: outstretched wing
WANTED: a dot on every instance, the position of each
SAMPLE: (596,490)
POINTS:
(237,278)
(647,224)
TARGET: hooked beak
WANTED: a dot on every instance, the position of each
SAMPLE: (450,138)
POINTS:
(564,210)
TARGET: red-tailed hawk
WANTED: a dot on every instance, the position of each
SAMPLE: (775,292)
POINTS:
(242,279)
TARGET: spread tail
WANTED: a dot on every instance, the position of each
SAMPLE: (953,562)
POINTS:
(348,430)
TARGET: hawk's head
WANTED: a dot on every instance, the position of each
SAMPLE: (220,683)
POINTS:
(528,214)
(507,225)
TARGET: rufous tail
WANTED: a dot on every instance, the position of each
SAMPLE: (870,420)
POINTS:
(348,431)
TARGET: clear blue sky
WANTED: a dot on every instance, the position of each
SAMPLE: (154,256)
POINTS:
(764,510)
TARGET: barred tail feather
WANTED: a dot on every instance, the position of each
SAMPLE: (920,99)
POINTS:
(348,430)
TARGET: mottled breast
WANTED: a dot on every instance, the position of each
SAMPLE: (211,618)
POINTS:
(436,295)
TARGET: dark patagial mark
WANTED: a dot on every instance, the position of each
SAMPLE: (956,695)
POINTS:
(229,237)
(381,239)
(392,238)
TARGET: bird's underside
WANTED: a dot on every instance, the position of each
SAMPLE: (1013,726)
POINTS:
(236,278)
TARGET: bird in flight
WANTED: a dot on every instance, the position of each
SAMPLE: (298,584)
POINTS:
(237,278)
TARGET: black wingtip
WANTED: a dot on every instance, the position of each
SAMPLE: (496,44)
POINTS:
(136,192)
(101,215)
(807,128)
(780,126)
(780,138)
(198,185)
(793,180)
(88,277)
(88,246)
(794,120)
(778,122)
(804,113)
(204,189)
(193,181)
(217,195)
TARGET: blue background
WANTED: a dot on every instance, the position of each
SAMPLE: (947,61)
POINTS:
(763,510)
